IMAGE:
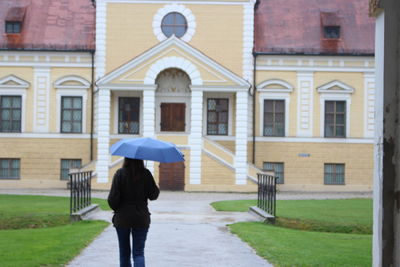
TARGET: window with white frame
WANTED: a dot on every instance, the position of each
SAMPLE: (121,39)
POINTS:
(274,118)
(71,114)
(128,115)
(217,116)
(10,113)
(277,168)
(335,102)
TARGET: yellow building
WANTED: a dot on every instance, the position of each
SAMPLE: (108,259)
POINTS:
(239,86)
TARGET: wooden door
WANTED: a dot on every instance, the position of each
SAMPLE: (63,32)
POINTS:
(173,117)
(172,176)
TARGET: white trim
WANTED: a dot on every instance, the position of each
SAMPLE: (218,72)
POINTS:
(227,88)
(326,88)
(241,138)
(215,157)
(287,87)
(20,83)
(115,106)
(71,92)
(230,98)
(84,84)
(103,135)
(101,32)
(248,40)
(221,137)
(45,135)
(369,104)
(173,41)
(187,13)
(314,140)
(274,96)
(177,1)
(41,101)
(195,138)
(16,92)
(173,62)
(305,104)
(128,87)
(334,97)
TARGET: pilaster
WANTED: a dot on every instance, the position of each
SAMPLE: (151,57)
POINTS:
(241,137)
(196,136)
(305,93)
(41,109)
(103,135)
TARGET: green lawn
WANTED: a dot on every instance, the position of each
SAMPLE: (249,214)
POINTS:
(288,247)
(36,231)
(338,232)
(329,215)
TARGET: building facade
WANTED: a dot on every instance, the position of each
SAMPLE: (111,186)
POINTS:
(239,86)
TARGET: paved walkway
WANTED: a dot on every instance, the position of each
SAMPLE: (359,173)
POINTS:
(185,231)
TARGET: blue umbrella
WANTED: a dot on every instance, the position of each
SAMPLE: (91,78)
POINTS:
(147,149)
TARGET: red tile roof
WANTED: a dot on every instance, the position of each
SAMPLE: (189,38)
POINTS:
(49,24)
(296,27)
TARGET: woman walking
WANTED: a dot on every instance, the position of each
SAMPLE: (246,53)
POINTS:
(132,186)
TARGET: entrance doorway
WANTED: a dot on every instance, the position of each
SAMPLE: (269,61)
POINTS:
(172,176)
(172,117)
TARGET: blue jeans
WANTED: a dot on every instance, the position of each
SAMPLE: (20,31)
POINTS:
(138,242)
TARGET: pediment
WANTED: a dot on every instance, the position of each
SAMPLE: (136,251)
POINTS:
(275,85)
(12,81)
(172,53)
(71,82)
(337,87)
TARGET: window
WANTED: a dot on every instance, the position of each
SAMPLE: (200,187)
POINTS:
(128,115)
(9,168)
(13,26)
(277,168)
(332,32)
(67,164)
(274,118)
(217,116)
(333,174)
(335,119)
(10,112)
(71,114)
(174,23)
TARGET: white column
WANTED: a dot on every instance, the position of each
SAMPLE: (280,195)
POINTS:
(100,57)
(248,40)
(149,118)
(196,136)
(41,108)
(103,135)
(305,93)
(241,137)
(369,105)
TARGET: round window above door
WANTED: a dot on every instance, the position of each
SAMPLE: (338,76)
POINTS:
(174,23)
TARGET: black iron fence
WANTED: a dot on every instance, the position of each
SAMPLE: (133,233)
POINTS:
(267,193)
(81,191)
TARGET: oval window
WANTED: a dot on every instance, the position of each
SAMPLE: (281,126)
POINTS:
(174,23)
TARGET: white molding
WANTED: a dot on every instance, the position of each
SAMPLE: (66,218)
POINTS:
(334,97)
(274,96)
(173,62)
(41,105)
(20,83)
(305,104)
(17,92)
(287,87)
(195,138)
(103,135)
(230,97)
(74,92)
(315,140)
(187,13)
(216,89)
(248,40)
(170,42)
(84,84)
(221,137)
(45,135)
(115,106)
(327,88)
(369,104)
(241,138)
(215,157)
(101,33)
(128,87)
(177,1)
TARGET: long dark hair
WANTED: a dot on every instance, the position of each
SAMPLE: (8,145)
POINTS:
(134,168)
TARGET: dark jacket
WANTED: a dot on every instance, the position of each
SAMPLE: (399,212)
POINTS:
(128,199)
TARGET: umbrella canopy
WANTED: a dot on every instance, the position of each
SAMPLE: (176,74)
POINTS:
(147,149)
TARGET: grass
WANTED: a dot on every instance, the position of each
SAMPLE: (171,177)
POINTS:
(103,204)
(288,247)
(36,231)
(330,215)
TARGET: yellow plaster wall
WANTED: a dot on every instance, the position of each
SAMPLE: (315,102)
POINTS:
(355,80)
(230,145)
(307,173)
(286,76)
(41,159)
(25,73)
(128,36)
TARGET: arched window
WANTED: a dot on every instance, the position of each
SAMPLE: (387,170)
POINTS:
(174,23)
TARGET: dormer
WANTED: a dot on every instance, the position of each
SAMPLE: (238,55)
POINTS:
(14,19)
(330,24)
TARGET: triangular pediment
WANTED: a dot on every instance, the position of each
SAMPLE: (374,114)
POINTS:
(172,53)
(337,87)
(12,81)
